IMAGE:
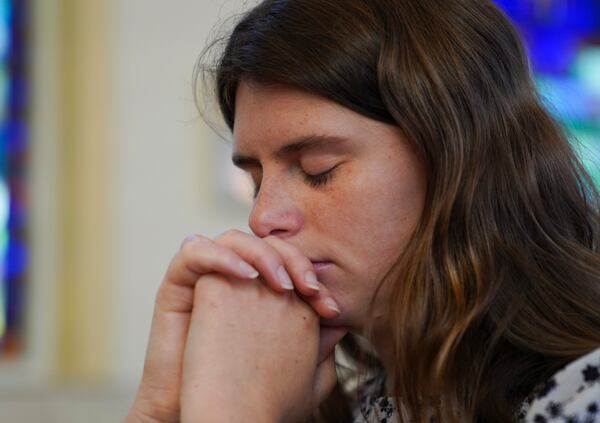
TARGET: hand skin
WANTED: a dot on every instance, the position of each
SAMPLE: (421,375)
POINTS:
(158,396)
(252,355)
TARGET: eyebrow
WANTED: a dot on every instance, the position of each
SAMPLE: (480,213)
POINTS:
(295,146)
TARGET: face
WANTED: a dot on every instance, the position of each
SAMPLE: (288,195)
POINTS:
(343,188)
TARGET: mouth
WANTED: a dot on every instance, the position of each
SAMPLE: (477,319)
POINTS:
(321,264)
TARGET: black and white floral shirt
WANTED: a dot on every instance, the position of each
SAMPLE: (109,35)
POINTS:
(571,396)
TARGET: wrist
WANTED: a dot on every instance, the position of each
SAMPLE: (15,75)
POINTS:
(134,417)
(235,408)
(149,414)
(232,415)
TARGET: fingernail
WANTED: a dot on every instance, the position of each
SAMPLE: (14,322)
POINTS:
(311,280)
(284,279)
(332,305)
(248,271)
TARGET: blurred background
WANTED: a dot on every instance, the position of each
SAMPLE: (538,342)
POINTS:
(106,166)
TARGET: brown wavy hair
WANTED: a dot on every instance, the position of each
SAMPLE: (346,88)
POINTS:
(499,286)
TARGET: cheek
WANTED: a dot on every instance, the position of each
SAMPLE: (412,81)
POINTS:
(388,221)
(374,216)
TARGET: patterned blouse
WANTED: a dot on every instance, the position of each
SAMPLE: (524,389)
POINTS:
(571,396)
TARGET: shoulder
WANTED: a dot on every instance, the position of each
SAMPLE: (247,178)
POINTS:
(571,395)
(373,406)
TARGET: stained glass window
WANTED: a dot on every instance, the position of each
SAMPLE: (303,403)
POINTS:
(563,39)
(13,149)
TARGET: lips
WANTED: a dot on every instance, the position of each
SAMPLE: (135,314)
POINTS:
(320,264)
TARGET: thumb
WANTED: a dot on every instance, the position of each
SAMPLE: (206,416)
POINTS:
(325,379)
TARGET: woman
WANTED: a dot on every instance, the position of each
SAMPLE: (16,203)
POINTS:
(413,200)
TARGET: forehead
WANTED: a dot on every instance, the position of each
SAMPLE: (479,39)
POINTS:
(268,116)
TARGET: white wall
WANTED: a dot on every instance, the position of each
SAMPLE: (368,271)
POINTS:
(165,163)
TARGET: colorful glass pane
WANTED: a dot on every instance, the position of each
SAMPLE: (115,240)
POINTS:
(563,39)
(13,142)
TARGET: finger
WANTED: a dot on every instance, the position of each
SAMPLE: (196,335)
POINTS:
(323,303)
(325,379)
(302,271)
(298,266)
(197,256)
(262,256)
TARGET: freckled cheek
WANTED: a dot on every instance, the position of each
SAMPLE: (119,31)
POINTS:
(328,212)
(382,215)
(371,218)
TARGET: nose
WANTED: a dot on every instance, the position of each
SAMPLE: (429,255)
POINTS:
(275,211)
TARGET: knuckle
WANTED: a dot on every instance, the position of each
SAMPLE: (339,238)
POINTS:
(187,240)
(229,235)
(267,252)
(188,250)
(271,239)
(283,246)
(261,247)
(296,253)
(277,245)
(191,240)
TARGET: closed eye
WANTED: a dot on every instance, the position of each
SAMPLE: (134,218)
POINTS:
(320,179)
(315,181)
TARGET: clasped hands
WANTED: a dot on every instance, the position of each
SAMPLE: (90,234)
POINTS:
(232,340)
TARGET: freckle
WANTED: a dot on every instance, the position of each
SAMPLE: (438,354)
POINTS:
(303,317)
(296,360)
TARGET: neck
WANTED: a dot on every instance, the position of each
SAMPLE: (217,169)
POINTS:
(385,352)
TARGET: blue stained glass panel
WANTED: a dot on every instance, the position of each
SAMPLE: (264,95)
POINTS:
(13,199)
(563,40)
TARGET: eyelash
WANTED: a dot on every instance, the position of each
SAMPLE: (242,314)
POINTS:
(320,179)
(314,181)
